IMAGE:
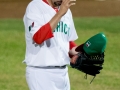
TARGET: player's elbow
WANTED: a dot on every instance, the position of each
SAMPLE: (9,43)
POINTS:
(37,39)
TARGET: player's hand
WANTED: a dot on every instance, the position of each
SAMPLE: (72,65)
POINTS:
(66,4)
(73,59)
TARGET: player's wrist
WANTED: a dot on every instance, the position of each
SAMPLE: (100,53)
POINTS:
(73,52)
(59,14)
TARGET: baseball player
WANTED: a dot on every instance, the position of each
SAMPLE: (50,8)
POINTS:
(50,35)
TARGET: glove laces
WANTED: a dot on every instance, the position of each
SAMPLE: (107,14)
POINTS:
(92,78)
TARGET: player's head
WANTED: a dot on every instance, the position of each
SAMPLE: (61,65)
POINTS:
(56,2)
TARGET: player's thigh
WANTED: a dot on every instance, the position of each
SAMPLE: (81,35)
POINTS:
(47,79)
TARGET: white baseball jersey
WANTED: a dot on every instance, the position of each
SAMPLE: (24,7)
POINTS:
(53,51)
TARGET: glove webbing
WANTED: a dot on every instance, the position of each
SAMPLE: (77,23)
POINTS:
(95,57)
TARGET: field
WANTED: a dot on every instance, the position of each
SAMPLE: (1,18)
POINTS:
(12,50)
(90,17)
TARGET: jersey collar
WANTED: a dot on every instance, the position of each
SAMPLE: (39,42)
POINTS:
(46,2)
(52,7)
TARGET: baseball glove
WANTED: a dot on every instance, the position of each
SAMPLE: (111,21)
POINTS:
(90,65)
(90,57)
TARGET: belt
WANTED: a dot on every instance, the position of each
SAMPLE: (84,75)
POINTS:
(50,67)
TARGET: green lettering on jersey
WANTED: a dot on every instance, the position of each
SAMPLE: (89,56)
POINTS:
(58,27)
(62,27)
(65,27)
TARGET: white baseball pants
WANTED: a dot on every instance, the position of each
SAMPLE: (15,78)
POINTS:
(47,79)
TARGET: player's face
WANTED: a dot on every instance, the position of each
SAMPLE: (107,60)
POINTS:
(57,2)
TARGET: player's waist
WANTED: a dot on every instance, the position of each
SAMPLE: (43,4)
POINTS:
(49,67)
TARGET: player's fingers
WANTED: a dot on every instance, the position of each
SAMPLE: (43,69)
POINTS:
(69,3)
(72,2)
(73,59)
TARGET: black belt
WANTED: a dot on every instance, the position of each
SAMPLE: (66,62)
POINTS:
(50,67)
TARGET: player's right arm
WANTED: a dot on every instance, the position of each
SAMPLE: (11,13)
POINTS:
(63,9)
(45,32)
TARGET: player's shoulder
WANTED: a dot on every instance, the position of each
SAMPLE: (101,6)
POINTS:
(34,3)
(69,11)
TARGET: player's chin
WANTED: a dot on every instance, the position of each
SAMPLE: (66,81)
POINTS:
(58,3)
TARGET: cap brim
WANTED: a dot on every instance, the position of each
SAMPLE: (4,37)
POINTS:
(79,48)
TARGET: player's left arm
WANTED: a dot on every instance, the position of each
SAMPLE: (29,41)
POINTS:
(73,51)
(72,46)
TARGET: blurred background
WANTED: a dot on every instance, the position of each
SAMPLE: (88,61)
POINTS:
(83,8)
(90,18)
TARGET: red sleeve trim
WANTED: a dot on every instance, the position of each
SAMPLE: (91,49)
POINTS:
(44,33)
(72,44)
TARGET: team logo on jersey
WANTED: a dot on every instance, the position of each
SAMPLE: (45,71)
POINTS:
(31,26)
(62,27)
